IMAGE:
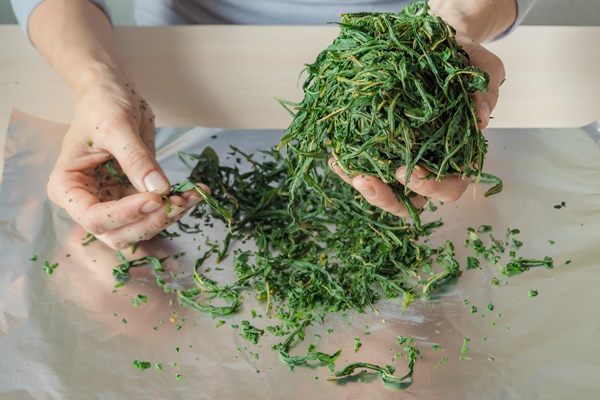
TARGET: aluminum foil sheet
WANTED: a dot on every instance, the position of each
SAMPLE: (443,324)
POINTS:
(71,335)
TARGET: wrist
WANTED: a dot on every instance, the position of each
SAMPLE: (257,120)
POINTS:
(480,20)
(97,74)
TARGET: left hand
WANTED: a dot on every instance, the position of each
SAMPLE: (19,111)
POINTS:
(450,188)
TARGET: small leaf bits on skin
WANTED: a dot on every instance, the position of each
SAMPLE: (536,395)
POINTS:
(533,293)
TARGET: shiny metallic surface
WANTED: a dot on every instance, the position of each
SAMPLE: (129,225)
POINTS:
(64,336)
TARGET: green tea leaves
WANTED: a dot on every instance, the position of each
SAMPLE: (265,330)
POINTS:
(392,90)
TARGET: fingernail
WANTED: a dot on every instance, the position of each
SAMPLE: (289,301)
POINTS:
(175,211)
(193,200)
(414,180)
(401,173)
(149,207)
(155,182)
(367,192)
(485,109)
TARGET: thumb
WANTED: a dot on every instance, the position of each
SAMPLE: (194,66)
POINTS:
(140,165)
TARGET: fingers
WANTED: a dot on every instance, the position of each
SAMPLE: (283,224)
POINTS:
(121,222)
(338,170)
(122,139)
(381,195)
(447,190)
(146,227)
(376,192)
(98,217)
(482,58)
(129,225)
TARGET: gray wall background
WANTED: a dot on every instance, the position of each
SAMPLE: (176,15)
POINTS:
(545,12)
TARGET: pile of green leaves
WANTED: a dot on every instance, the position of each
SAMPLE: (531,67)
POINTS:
(344,254)
(392,90)
(325,257)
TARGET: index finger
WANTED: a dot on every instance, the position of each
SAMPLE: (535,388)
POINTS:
(98,217)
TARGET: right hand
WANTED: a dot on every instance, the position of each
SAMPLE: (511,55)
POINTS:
(112,121)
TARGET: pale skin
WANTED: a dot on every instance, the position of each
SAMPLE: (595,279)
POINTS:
(112,120)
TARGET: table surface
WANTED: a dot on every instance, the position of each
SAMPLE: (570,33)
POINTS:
(228,76)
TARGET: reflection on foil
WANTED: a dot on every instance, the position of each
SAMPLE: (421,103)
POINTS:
(73,335)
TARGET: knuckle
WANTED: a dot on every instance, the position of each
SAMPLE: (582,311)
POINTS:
(125,216)
(137,159)
(115,121)
(399,212)
(95,228)
(115,243)
(385,203)
(93,225)
(155,225)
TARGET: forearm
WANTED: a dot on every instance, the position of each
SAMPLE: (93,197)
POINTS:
(76,37)
(480,19)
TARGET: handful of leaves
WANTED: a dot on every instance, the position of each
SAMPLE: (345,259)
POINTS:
(392,90)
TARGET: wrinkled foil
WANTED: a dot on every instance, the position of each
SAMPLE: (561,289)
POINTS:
(64,336)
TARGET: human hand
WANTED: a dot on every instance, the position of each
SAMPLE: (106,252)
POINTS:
(112,121)
(450,188)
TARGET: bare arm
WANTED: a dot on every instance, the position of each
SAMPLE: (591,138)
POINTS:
(76,38)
